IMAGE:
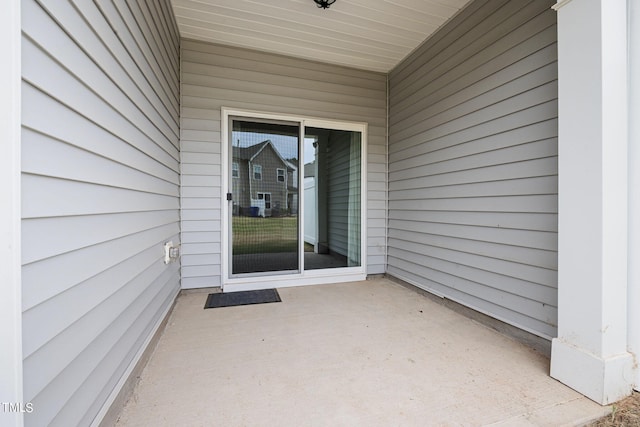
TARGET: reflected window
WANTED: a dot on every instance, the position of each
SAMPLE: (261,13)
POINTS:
(257,172)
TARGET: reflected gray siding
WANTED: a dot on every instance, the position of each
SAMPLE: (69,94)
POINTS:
(338,188)
(473,163)
(215,76)
(100,186)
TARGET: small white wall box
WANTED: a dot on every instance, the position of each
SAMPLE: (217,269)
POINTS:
(171,252)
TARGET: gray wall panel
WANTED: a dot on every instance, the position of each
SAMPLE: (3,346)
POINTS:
(215,76)
(338,193)
(101,180)
(473,163)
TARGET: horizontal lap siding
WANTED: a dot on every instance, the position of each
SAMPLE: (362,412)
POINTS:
(338,189)
(215,76)
(100,185)
(473,171)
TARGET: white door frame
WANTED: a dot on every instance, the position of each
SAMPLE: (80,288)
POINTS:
(308,277)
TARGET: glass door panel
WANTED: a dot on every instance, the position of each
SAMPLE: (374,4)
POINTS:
(264,198)
(332,198)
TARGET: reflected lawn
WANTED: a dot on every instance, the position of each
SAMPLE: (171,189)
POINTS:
(253,235)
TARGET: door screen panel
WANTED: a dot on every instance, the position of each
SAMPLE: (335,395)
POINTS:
(264,184)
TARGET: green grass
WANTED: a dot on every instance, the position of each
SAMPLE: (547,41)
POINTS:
(264,235)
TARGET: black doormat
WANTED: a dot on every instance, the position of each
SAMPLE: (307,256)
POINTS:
(232,299)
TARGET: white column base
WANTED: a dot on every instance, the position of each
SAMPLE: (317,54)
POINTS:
(602,380)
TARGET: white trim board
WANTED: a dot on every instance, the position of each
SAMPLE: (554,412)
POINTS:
(634,184)
(11,383)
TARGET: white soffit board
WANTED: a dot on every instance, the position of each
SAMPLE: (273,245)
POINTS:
(366,34)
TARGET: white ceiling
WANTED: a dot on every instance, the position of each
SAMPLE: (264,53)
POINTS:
(367,34)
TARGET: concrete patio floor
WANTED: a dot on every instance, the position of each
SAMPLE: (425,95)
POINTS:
(371,353)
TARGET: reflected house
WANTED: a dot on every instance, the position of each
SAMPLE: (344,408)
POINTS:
(265,184)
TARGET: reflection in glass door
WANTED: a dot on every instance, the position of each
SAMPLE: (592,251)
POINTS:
(332,198)
(264,196)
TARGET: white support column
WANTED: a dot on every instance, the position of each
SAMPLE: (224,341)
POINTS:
(591,352)
(10,285)
(634,186)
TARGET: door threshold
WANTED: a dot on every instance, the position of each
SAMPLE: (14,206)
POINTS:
(290,281)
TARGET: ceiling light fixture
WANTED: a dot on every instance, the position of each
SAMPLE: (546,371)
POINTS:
(324,3)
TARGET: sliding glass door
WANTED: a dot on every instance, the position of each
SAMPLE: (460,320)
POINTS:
(294,199)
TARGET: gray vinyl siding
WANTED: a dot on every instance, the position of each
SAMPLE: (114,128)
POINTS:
(215,76)
(473,163)
(338,192)
(100,196)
